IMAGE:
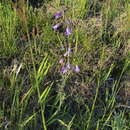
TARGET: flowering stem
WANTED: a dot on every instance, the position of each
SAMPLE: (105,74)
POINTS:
(68,47)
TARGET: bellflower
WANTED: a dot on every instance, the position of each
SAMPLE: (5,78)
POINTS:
(68,31)
(55,27)
(76,68)
(64,69)
(61,61)
(58,14)
(68,66)
(68,52)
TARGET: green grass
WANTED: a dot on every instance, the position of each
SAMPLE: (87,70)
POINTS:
(36,95)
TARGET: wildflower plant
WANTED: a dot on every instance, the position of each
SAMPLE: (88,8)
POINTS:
(66,66)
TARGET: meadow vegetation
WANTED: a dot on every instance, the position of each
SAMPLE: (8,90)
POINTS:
(65,65)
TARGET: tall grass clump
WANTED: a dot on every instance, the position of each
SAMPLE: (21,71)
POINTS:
(8,25)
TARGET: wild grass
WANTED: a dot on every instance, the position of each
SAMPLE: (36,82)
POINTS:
(51,79)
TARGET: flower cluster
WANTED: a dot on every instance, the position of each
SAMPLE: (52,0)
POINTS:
(68,67)
(57,26)
(65,67)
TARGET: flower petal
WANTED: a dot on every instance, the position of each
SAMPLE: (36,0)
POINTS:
(61,61)
(68,52)
(76,68)
(58,14)
(55,27)
(68,31)
(63,69)
(68,66)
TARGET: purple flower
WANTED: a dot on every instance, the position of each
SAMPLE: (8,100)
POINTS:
(55,27)
(76,68)
(68,52)
(68,31)
(58,14)
(63,69)
(68,66)
(61,61)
